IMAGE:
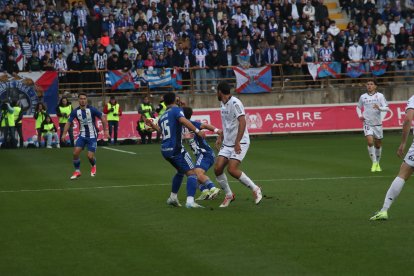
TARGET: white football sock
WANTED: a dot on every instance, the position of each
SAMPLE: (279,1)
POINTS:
(190,199)
(244,179)
(222,180)
(371,152)
(378,152)
(173,196)
(393,192)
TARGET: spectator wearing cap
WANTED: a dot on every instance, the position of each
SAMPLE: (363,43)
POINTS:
(34,63)
(113,61)
(200,54)
(47,62)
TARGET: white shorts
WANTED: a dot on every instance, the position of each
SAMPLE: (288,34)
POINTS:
(229,152)
(409,157)
(375,131)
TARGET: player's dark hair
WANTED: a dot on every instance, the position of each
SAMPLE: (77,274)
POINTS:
(188,112)
(169,98)
(82,94)
(223,87)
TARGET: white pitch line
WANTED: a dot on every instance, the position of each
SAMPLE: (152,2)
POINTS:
(129,152)
(167,184)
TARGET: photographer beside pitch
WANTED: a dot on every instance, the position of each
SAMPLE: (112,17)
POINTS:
(7,124)
(88,134)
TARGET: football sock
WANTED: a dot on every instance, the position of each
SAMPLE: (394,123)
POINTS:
(371,152)
(202,187)
(393,192)
(76,164)
(173,196)
(176,182)
(191,187)
(209,184)
(92,161)
(378,152)
(244,179)
(222,180)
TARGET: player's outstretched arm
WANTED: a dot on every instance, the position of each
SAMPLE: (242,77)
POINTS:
(212,128)
(191,127)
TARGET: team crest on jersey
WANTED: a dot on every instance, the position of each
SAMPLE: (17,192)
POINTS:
(254,121)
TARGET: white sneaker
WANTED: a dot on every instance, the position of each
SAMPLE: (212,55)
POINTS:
(257,195)
(193,205)
(227,200)
(58,146)
(48,147)
(173,202)
(214,192)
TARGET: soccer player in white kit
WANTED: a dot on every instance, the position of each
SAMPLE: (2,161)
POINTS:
(234,143)
(374,108)
(407,166)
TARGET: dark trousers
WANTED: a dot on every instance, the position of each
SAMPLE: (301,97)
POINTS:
(19,130)
(145,136)
(8,132)
(70,132)
(113,124)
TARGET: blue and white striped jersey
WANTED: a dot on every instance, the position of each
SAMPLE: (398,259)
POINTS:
(86,118)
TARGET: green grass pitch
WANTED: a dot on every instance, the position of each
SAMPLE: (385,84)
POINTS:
(319,193)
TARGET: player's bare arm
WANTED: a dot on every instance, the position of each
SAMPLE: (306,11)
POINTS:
(65,130)
(212,128)
(359,112)
(405,131)
(240,133)
(191,127)
(150,123)
(105,127)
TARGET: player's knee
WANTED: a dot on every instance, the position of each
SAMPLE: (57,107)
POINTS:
(91,155)
(193,176)
(218,170)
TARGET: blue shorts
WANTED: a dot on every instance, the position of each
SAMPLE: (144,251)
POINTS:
(181,162)
(204,161)
(81,142)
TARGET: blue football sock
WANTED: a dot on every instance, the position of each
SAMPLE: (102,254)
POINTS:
(92,161)
(202,187)
(191,185)
(209,184)
(76,164)
(176,182)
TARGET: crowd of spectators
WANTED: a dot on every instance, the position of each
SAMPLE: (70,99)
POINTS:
(207,34)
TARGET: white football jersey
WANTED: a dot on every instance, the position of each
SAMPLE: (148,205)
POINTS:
(410,105)
(230,111)
(366,102)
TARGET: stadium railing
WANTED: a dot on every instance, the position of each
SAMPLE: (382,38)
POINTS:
(94,82)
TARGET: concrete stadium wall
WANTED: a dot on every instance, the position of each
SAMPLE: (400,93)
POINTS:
(330,95)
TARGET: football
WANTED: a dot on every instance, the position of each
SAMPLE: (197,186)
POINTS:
(154,121)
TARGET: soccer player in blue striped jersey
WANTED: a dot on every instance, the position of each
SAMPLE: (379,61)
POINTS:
(205,157)
(88,135)
(171,127)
